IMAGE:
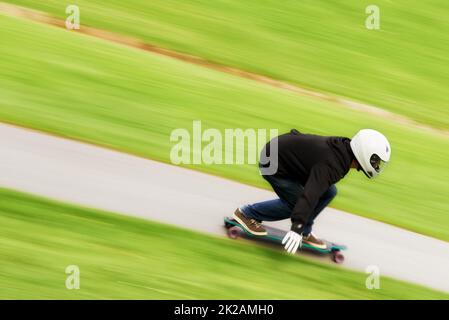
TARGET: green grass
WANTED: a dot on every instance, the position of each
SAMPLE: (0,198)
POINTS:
(83,88)
(127,258)
(323,45)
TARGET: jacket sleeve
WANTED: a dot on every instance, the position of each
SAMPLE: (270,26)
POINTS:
(319,180)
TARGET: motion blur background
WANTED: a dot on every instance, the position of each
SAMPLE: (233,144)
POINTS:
(120,94)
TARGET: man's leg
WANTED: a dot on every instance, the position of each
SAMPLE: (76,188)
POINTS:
(272,210)
(286,189)
(250,216)
(290,191)
(279,209)
(324,201)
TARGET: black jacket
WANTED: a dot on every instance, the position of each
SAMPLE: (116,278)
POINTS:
(316,162)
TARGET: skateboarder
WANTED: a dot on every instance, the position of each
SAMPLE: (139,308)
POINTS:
(308,166)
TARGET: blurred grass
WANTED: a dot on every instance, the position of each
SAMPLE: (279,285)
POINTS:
(127,258)
(84,88)
(322,45)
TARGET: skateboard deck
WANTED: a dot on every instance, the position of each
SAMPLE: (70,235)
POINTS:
(275,235)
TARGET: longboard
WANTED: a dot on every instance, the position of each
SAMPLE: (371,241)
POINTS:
(275,235)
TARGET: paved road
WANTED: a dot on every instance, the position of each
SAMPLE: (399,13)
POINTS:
(84,174)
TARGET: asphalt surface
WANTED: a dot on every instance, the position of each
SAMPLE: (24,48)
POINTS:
(84,174)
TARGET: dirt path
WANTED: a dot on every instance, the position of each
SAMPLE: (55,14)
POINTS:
(84,174)
(41,17)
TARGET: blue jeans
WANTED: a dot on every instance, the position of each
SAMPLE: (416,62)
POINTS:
(279,209)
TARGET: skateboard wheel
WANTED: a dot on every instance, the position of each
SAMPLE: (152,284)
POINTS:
(228,225)
(338,257)
(234,232)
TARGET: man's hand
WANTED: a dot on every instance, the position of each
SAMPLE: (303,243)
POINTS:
(292,241)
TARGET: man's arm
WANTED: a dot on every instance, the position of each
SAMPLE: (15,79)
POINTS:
(320,179)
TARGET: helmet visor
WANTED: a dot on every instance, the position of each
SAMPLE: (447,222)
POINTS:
(377,163)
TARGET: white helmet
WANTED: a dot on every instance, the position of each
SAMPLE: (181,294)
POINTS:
(372,151)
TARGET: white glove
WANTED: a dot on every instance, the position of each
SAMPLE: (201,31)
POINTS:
(292,241)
